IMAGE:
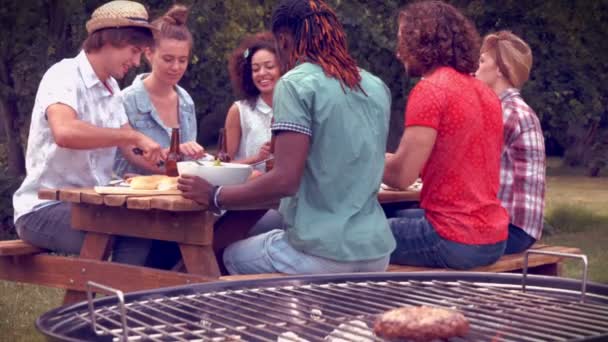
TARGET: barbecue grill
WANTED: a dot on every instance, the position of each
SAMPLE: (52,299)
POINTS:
(338,308)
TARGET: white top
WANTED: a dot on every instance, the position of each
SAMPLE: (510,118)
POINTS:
(71,82)
(255,128)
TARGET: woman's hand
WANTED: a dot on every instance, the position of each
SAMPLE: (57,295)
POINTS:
(192,150)
(195,188)
(264,152)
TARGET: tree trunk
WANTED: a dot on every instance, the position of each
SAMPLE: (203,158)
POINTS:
(15,157)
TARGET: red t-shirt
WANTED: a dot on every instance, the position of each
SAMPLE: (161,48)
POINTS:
(462,175)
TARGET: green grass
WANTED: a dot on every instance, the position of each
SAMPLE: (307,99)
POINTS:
(577,210)
(20,305)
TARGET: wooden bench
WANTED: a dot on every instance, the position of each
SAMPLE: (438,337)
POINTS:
(537,264)
(17,247)
(24,263)
(16,258)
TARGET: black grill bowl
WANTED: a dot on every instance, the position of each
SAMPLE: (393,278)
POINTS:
(314,306)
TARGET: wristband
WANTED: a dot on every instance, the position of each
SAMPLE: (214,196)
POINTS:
(216,196)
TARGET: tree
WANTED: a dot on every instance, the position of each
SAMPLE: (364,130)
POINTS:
(566,87)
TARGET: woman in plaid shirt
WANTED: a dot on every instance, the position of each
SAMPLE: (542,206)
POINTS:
(505,64)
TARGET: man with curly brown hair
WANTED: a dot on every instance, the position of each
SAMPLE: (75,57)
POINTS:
(453,140)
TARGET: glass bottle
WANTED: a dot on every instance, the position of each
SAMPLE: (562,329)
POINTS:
(174,155)
(222,153)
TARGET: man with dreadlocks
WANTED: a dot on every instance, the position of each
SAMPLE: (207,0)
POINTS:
(331,124)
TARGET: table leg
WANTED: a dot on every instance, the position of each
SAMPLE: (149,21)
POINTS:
(95,246)
(200,260)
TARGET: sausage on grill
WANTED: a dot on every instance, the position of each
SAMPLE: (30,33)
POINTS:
(421,324)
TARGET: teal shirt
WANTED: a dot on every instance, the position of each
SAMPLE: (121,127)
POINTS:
(335,213)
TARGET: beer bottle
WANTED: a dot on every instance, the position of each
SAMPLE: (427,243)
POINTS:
(174,155)
(222,149)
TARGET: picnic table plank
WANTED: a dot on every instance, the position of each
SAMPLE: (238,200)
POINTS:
(185,227)
(141,203)
(48,194)
(17,247)
(90,196)
(114,200)
(175,203)
(392,196)
(72,273)
(95,247)
(69,195)
(199,260)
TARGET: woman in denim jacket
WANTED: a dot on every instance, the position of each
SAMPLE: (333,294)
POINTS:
(154,103)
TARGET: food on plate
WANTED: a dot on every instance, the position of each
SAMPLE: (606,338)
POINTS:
(421,323)
(416,186)
(217,162)
(153,182)
(167,183)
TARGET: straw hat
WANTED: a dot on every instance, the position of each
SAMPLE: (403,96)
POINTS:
(118,13)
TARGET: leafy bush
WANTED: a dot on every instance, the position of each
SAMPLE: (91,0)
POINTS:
(567,37)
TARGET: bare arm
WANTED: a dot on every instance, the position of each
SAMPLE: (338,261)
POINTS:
(233,130)
(291,151)
(71,132)
(403,167)
(234,135)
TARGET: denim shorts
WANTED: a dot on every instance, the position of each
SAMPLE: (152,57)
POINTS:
(418,244)
(271,252)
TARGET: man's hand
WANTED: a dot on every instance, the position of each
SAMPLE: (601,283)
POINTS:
(192,150)
(153,153)
(196,189)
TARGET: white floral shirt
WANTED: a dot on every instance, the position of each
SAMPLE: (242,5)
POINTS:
(72,82)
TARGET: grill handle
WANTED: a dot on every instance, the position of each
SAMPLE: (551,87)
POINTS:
(121,304)
(582,257)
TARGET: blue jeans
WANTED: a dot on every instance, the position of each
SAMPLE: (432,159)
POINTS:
(50,228)
(270,221)
(271,252)
(518,240)
(418,244)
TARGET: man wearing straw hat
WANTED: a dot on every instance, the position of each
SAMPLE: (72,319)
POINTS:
(77,122)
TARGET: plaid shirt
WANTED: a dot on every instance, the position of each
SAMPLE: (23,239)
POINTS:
(522,175)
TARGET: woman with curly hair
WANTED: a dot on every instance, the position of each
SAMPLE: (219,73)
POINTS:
(453,140)
(504,65)
(254,71)
(331,125)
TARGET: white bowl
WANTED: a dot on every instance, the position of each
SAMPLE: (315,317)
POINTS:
(226,174)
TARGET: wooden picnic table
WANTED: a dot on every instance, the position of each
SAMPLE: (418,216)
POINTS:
(159,217)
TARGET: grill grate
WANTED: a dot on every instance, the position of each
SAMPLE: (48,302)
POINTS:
(345,311)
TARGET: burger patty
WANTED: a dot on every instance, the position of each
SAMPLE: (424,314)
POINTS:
(421,324)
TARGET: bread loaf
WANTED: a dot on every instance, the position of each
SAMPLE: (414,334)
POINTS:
(153,182)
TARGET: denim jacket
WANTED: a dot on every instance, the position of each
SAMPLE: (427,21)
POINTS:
(144,118)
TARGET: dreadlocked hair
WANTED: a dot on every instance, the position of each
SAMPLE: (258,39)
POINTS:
(318,38)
